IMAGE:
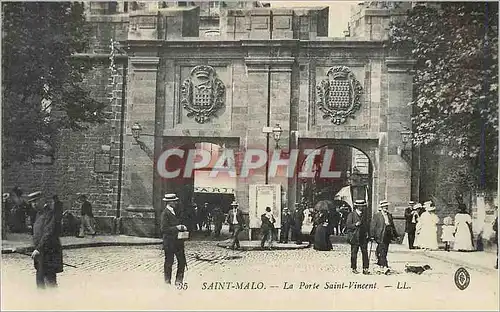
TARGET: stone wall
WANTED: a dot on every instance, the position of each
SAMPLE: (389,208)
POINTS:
(84,161)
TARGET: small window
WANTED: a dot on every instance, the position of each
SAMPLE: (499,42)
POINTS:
(125,7)
(182,3)
(112,6)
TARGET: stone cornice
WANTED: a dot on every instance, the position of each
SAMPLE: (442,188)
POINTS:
(290,43)
(145,60)
(283,61)
(209,133)
(399,64)
(270,43)
(347,44)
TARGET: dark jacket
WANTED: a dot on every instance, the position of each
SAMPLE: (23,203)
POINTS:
(286,220)
(239,217)
(356,235)
(58,213)
(168,227)
(46,241)
(298,218)
(379,229)
(266,223)
(409,218)
(87,209)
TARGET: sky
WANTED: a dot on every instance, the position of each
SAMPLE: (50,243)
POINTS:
(340,12)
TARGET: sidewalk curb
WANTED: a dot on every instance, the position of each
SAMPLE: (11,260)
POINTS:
(467,265)
(77,246)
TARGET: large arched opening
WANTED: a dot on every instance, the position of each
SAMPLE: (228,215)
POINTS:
(339,173)
(199,191)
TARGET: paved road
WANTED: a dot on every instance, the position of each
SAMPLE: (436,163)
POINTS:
(131,278)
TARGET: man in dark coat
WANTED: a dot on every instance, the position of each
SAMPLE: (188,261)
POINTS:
(298,219)
(383,232)
(172,245)
(286,223)
(218,218)
(411,218)
(47,253)
(87,223)
(345,210)
(357,230)
(235,219)
(18,211)
(267,227)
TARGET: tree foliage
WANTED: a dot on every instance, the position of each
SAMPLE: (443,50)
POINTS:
(41,84)
(455,104)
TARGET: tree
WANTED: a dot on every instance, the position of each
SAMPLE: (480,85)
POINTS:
(42,85)
(455,104)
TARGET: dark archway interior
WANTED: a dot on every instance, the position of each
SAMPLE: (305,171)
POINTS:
(354,176)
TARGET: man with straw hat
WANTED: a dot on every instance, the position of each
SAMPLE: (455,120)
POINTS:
(411,218)
(173,243)
(235,219)
(47,253)
(383,232)
(357,230)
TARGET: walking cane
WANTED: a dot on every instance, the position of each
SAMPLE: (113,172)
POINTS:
(370,253)
(24,254)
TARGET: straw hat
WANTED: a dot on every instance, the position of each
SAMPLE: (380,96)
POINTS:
(359,202)
(384,203)
(234,204)
(428,206)
(417,206)
(170,197)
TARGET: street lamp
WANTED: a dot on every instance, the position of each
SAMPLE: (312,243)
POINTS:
(276,131)
(277,134)
(405,139)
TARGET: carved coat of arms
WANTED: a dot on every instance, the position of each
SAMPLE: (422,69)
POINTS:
(339,96)
(202,93)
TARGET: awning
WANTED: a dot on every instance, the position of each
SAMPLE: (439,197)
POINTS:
(203,183)
(214,190)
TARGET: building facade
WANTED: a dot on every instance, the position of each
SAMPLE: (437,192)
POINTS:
(264,66)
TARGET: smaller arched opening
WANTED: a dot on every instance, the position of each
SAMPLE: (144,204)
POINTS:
(340,175)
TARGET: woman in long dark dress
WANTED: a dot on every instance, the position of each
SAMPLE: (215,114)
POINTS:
(322,236)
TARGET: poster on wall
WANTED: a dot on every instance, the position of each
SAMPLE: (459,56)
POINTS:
(260,197)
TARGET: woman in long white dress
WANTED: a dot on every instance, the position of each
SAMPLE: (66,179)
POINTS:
(428,238)
(463,233)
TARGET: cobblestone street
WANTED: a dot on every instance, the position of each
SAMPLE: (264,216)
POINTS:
(131,277)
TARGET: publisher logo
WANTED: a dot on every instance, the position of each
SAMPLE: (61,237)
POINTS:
(462,278)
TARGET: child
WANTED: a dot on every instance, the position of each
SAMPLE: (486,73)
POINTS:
(448,233)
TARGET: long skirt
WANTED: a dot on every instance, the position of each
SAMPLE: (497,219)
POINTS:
(322,239)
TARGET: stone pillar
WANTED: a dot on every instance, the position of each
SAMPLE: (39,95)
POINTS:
(139,154)
(398,165)
(268,79)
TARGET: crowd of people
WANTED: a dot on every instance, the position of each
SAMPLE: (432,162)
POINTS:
(20,211)
(45,222)
(422,228)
